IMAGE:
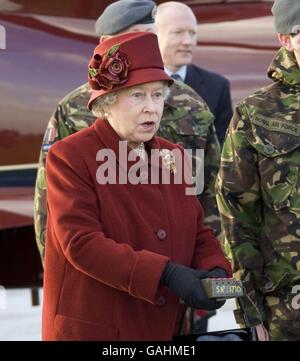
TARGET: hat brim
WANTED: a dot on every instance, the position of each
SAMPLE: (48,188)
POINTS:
(136,77)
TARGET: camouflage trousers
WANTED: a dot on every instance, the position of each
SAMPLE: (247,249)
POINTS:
(282,309)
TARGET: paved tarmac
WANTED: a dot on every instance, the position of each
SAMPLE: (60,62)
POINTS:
(20,321)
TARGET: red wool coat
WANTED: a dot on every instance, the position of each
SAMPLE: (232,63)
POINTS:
(107,245)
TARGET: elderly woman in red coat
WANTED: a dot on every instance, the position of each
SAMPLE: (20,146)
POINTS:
(122,252)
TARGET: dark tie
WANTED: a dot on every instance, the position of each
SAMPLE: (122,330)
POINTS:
(176,77)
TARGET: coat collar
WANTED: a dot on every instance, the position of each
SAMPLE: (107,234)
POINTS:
(181,72)
(111,140)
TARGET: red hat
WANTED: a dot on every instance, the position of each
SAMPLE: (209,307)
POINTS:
(124,61)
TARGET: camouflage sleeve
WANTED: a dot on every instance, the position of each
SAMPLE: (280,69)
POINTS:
(52,134)
(238,197)
(211,168)
(70,116)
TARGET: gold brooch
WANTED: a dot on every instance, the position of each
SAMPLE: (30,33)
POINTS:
(168,159)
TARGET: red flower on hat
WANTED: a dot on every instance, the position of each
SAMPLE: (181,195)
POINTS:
(109,70)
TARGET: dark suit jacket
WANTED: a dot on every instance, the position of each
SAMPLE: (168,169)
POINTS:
(214,89)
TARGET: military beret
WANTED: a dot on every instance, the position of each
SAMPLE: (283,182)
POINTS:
(124,13)
(286,16)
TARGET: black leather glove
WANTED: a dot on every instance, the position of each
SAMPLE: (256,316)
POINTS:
(185,282)
(217,273)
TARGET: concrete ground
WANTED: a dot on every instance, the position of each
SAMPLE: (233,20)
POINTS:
(20,321)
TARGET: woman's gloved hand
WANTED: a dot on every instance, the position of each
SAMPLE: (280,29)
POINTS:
(185,282)
(217,273)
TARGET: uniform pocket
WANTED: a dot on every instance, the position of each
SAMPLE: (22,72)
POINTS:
(72,329)
(279,174)
(278,160)
(278,189)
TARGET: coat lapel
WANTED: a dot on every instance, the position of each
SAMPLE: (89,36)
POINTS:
(193,79)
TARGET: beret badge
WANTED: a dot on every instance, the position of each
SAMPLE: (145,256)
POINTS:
(109,70)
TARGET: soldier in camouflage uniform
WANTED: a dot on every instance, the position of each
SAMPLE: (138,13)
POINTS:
(258,189)
(186,120)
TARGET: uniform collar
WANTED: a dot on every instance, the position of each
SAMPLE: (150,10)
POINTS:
(284,68)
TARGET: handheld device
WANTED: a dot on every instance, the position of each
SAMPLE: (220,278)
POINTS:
(222,288)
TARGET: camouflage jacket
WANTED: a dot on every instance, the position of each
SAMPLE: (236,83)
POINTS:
(258,187)
(186,120)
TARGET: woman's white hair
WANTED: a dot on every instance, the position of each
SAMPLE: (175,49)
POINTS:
(99,103)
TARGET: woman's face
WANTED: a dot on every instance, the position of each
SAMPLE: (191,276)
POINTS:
(136,114)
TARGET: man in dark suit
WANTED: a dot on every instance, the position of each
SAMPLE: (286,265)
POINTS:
(177,34)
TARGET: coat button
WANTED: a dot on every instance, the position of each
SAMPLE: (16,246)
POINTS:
(161,234)
(269,149)
(160,301)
